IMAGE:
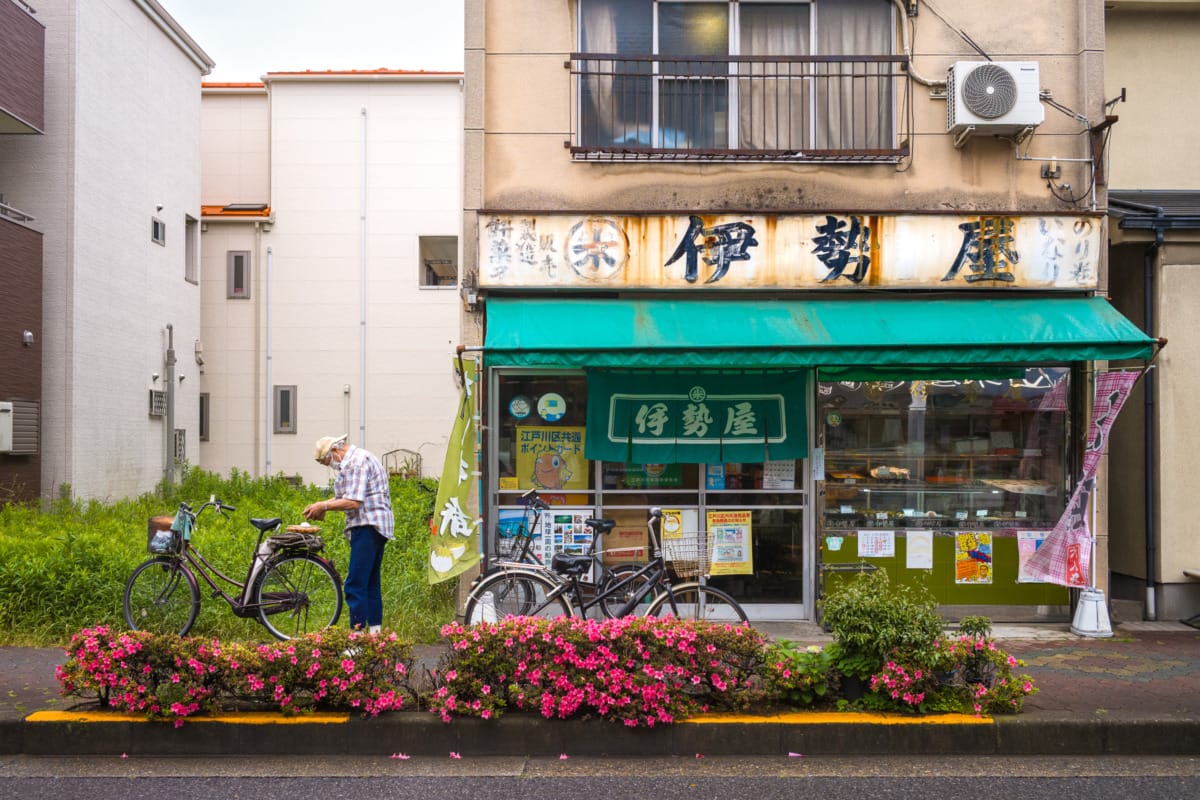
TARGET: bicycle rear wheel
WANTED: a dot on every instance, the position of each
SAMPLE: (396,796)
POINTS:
(695,601)
(297,593)
(514,594)
(161,596)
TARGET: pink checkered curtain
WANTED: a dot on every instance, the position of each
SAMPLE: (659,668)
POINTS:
(1065,556)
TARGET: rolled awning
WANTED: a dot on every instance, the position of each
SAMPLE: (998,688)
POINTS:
(710,333)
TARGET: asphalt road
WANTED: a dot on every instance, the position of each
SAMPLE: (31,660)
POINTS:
(760,778)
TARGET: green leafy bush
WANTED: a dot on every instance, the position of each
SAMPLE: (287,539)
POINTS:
(797,677)
(64,568)
(870,618)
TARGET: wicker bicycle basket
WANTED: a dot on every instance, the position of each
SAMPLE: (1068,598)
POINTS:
(296,537)
(687,557)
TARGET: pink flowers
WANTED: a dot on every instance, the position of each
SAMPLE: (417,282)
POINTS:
(165,677)
(642,672)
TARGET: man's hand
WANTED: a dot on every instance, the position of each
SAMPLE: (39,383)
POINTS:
(316,510)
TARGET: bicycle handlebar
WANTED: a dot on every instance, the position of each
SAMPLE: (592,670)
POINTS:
(531,499)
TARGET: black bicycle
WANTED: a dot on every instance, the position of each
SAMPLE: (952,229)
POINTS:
(516,589)
(289,588)
(516,547)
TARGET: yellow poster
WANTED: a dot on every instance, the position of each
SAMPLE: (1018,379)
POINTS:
(972,557)
(672,524)
(730,542)
(551,459)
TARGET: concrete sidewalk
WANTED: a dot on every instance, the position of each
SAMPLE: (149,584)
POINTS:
(1137,692)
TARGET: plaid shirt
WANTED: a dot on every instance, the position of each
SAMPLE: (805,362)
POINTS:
(364,479)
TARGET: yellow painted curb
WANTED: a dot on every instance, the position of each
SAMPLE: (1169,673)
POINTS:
(838,718)
(240,718)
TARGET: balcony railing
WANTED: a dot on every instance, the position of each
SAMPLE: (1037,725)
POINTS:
(768,108)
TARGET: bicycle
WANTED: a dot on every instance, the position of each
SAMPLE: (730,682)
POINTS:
(288,588)
(519,550)
(516,589)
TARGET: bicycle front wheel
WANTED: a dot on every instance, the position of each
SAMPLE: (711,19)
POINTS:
(696,601)
(297,593)
(515,594)
(161,596)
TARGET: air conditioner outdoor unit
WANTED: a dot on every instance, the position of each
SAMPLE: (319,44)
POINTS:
(996,98)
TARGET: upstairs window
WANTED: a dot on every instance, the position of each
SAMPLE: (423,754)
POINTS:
(439,260)
(737,79)
(237,274)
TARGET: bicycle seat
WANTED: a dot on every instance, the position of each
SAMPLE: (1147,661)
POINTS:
(266,524)
(600,525)
(567,564)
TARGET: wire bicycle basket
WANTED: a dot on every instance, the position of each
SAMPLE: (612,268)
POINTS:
(687,555)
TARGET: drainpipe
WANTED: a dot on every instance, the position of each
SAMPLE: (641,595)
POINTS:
(362,290)
(1150,258)
(169,461)
(269,428)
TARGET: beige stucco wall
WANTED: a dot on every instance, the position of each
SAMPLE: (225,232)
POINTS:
(1152,55)
(1179,386)
(526,96)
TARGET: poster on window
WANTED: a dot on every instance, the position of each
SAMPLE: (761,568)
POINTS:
(918,549)
(562,531)
(551,459)
(876,544)
(779,475)
(1027,544)
(729,541)
(972,557)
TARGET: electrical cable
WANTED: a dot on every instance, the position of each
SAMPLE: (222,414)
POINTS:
(959,31)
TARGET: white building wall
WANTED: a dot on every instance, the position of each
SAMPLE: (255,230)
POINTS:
(122,132)
(413,129)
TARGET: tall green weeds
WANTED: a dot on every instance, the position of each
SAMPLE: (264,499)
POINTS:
(65,568)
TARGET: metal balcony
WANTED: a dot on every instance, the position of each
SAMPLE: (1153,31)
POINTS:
(737,108)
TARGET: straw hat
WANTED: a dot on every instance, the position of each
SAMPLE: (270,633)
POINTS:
(327,443)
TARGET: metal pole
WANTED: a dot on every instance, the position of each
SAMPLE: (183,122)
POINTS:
(270,393)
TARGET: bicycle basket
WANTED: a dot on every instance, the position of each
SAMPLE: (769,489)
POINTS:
(160,539)
(296,538)
(687,557)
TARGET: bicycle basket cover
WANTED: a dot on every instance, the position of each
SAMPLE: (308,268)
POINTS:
(160,538)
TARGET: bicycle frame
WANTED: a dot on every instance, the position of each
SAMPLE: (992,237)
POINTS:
(570,585)
(240,603)
(534,505)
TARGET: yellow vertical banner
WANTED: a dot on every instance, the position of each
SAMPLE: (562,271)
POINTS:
(454,543)
(730,543)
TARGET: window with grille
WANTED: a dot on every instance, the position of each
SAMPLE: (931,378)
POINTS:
(439,260)
(739,79)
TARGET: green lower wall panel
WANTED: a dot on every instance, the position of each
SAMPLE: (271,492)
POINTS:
(1003,589)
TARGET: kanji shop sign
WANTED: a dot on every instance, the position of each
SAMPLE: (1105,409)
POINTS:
(818,251)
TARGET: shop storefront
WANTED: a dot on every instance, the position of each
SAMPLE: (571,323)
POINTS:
(804,426)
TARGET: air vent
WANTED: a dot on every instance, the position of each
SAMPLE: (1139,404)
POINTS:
(158,403)
(989,91)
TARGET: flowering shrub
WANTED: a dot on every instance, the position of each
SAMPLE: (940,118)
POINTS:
(640,671)
(795,677)
(965,674)
(167,677)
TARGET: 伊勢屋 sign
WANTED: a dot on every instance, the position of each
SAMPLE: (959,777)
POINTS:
(646,417)
(798,251)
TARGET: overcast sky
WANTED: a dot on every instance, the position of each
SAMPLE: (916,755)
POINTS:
(248,38)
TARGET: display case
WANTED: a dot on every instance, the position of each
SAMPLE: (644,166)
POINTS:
(943,455)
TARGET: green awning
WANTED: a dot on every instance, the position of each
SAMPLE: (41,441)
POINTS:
(711,333)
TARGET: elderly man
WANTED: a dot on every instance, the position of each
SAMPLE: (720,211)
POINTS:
(361,491)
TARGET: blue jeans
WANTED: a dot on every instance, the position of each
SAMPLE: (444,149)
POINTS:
(364,595)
